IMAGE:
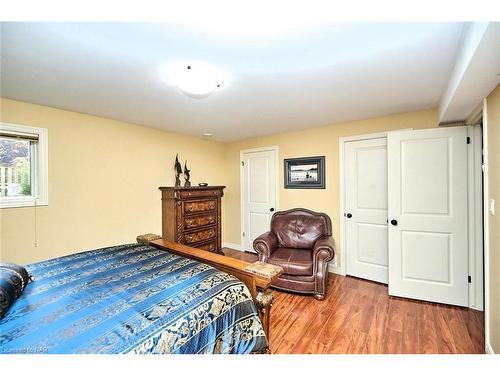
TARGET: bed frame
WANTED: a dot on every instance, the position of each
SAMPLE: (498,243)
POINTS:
(258,285)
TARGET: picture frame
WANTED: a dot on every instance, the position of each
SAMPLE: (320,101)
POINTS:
(305,173)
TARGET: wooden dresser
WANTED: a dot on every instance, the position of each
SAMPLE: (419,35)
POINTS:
(192,216)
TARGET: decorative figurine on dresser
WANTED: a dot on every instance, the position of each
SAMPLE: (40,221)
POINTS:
(192,216)
(187,183)
(178,171)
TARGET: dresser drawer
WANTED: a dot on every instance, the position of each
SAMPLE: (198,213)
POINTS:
(191,222)
(200,206)
(200,193)
(211,246)
(202,235)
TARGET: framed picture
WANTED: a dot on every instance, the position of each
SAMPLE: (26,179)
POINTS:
(305,173)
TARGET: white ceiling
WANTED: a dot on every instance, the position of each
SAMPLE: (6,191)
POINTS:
(274,82)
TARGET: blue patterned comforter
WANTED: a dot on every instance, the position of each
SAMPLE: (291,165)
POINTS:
(131,299)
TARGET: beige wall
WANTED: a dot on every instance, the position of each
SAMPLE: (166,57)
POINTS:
(493,103)
(311,142)
(103,182)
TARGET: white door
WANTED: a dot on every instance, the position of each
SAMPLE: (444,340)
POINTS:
(428,253)
(259,194)
(366,209)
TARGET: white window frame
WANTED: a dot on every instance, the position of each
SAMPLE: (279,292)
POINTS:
(40,180)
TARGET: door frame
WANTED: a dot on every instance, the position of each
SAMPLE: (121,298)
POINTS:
(341,268)
(486,229)
(475,222)
(274,149)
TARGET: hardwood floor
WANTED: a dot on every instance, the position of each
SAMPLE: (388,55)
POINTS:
(358,316)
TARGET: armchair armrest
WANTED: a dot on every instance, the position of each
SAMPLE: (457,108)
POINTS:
(324,249)
(265,244)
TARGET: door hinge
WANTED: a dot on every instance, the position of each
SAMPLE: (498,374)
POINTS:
(242,163)
(469,279)
(468,140)
(243,234)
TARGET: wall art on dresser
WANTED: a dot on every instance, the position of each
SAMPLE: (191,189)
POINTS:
(305,173)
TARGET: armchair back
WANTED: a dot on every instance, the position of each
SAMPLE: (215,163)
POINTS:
(300,228)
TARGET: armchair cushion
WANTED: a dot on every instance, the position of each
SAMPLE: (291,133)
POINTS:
(296,262)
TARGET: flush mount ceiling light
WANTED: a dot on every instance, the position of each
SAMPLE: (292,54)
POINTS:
(198,80)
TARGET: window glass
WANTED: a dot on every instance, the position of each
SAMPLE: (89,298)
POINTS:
(15,167)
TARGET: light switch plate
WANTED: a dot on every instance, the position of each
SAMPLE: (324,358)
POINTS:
(492,206)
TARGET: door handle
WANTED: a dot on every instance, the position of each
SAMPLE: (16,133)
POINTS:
(271,209)
(394,222)
(349,215)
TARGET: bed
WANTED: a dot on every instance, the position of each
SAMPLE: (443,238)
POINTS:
(137,298)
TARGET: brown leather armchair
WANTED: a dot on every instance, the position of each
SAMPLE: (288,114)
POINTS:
(300,241)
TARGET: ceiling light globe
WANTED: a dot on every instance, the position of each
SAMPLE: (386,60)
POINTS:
(198,81)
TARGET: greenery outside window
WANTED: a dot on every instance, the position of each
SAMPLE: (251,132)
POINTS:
(23,166)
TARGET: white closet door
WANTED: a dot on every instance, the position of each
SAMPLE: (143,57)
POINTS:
(366,209)
(259,191)
(427,186)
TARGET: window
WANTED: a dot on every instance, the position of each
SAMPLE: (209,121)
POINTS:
(23,166)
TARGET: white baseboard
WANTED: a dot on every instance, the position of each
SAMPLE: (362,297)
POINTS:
(488,348)
(334,269)
(476,308)
(234,246)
